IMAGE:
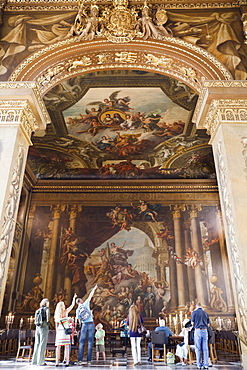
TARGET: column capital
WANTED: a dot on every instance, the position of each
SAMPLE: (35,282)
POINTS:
(194,209)
(221,102)
(21,102)
(177,209)
(74,209)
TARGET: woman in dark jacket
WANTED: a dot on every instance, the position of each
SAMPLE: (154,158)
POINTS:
(134,320)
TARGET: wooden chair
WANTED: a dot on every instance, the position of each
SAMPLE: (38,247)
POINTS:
(191,348)
(212,349)
(3,338)
(115,345)
(24,344)
(50,353)
(159,342)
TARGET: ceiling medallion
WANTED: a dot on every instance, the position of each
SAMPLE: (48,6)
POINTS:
(120,23)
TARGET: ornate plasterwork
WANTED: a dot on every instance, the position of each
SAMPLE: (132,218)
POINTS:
(16,86)
(10,213)
(148,56)
(215,84)
(18,112)
(225,111)
(232,242)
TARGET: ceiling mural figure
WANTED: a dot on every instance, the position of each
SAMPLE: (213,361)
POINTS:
(121,133)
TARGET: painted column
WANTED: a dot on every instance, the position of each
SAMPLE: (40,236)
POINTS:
(222,110)
(179,249)
(54,251)
(190,271)
(225,264)
(24,252)
(21,113)
(200,279)
(73,213)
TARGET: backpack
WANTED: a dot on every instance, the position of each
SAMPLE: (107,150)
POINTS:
(40,316)
(82,313)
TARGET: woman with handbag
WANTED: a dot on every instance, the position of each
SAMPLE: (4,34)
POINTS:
(135,323)
(63,330)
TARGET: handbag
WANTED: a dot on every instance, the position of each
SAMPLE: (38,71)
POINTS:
(141,329)
(68,331)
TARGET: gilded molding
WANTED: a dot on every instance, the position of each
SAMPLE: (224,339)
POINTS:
(68,5)
(230,230)
(90,59)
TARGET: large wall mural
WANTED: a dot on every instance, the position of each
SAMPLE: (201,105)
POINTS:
(163,258)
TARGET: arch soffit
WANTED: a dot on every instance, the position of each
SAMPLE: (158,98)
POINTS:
(173,57)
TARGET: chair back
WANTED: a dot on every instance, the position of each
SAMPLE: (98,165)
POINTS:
(22,336)
(159,337)
(51,337)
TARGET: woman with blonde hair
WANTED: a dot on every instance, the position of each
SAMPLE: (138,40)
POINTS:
(62,323)
(134,320)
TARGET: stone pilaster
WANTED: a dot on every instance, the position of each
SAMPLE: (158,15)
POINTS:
(21,113)
(222,109)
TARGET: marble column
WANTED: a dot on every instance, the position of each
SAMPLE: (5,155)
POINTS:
(54,251)
(222,110)
(180,251)
(196,240)
(21,113)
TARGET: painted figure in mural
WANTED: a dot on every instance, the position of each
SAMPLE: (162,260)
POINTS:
(87,327)
(62,322)
(74,259)
(149,299)
(118,255)
(147,210)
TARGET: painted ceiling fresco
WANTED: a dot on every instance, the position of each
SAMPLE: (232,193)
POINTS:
(121,132)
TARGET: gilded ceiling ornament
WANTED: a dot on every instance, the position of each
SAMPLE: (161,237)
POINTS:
(125,57)
(160,61)
(120,23)
(82,62)
(103,58)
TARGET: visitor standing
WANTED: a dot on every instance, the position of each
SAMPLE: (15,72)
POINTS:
(135,319)
(62,332)
(200,321)
(85,316)
(41,320)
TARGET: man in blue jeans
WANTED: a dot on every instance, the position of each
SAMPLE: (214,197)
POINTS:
(87,328)
(200,321)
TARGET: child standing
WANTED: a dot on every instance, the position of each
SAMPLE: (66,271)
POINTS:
(100,341)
